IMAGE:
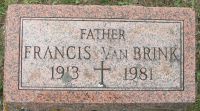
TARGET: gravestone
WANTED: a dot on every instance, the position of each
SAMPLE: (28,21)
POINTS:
(93,57)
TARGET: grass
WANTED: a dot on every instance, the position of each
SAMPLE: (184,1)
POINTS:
(195,4)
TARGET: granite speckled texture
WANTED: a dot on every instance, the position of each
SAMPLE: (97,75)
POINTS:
(124,53)
(22,97)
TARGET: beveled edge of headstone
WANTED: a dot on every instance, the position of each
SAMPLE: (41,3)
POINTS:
(94,106)
(11,64)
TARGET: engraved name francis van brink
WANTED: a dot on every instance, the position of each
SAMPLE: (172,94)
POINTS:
(74,52)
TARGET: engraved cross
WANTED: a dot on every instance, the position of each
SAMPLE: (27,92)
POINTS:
(102,69)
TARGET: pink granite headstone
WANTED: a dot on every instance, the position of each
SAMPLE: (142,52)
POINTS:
(72,55)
